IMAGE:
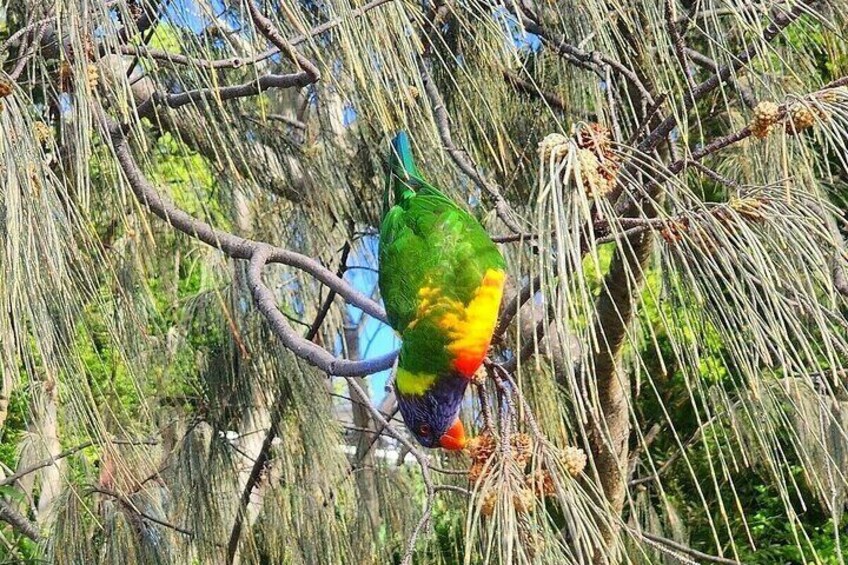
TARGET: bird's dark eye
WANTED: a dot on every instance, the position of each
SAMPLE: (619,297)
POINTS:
(424,430)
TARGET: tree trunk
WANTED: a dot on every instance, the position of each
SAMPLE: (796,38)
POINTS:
(610,426)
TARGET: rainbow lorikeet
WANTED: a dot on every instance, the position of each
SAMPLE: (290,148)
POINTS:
(442,280)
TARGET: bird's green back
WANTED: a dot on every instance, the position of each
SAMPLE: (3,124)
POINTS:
(427,242)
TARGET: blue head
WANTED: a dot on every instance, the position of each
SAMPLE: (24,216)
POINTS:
(433,415)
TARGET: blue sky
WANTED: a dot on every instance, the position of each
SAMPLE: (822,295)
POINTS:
(377,338)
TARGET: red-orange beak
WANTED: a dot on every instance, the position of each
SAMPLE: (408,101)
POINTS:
(454,439)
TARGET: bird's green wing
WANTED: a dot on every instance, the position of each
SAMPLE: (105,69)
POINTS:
(428,241)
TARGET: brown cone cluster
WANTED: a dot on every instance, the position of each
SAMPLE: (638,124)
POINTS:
(5,87)
(480,449)
(766,115)
(92,76)
(802,116)
(672,232)
(797,116)
(538,482)
(599,164)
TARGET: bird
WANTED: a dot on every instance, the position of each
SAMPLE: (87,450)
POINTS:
(442,279)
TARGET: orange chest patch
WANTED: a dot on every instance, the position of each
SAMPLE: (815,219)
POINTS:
(469,327)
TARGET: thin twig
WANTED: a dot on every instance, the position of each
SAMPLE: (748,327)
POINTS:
(67,453)
(238,62)
(328,302)
(684,549)
(679,47)
(256,471)
(700,91)
(702,60)
(269,31)
(430,489)
(252,88)
(588,60)
(528,87)
(129,505)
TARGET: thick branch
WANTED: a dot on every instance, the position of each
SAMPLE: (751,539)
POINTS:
(614,311)
(259,255)
(18,521)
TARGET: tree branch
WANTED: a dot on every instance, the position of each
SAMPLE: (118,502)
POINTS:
(588,60)
(259,254)
(238,62)
(459,156)
(522,85)
(315,355)
(267,29)
(723,74)
(18,521)
(232,245)
(328,302)
(251,88)
(126,503)
(684,548)
(256,471)
(67,453)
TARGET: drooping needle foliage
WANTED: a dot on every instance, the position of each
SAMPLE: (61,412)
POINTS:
(195,356)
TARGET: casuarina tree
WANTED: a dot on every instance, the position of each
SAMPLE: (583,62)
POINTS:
(197,365)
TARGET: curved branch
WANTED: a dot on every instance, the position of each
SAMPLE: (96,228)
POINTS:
(272,34)
(232,245)
(316,355)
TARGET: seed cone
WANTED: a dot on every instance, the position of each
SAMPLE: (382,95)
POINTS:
(554,145)
(6,87)
(599,164)
(766,114)
(574,459)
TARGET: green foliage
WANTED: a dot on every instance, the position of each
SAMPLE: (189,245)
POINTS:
(14,427)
